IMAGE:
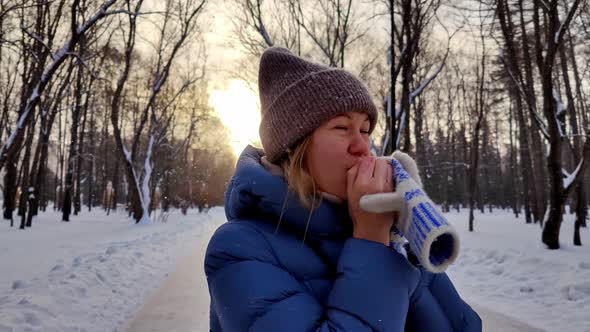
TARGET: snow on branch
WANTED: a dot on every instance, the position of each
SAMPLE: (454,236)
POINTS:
(559,112)
(127,155)
(20,125)
(102,12)
(130,162)
(542,126)
(145,185)
(38,39)
(402,57)
(133,13)
(560,106)
(564,26)
(545,4)
(77,56)
(58,58)
(424,84)
(569,179)
(400,130)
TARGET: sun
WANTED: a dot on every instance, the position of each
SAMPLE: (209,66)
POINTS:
(238,108)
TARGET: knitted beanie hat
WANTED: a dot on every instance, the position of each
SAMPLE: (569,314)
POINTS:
(297,96)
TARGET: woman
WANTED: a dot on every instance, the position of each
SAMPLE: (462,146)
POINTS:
(297,252)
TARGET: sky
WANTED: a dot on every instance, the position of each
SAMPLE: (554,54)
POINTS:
(235,101)
(238,108)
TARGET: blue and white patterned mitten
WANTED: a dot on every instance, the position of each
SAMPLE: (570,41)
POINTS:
(432,239)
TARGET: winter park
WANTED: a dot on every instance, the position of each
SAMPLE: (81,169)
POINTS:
(294,165)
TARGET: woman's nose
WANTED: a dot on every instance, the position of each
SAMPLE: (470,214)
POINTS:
(359,146)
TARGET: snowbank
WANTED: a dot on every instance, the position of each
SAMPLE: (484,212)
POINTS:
(95,273)
(504,266)
(90,274)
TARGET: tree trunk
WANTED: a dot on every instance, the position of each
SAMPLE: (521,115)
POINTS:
(582,110)
(73,155)
(24,185)
(80,157)
(514,202)
(37,162)
(91,164)
(580,195)
(551,230)
(9,191)
(474,160)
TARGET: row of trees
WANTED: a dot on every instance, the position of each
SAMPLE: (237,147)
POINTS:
(497,116)
(490,96)
(105,102)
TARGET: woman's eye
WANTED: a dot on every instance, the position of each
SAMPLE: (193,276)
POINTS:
(346,128)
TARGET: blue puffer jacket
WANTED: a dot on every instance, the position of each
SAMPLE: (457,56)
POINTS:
(266,279)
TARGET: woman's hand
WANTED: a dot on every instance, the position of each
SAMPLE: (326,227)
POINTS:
(369,176)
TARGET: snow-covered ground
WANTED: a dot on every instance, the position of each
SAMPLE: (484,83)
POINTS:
(504,266)
(91,274)
(94,273)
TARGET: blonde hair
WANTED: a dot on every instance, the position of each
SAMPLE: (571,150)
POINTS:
(300,181)
(298,177)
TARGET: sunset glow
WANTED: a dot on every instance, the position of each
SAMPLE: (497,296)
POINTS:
(238,108)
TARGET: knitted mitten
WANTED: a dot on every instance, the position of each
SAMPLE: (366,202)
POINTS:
(431,237)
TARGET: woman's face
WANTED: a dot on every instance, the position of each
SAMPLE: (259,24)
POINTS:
(335,147)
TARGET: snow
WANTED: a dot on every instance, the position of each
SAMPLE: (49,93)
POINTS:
(96,272)
(400,130)
(559,104)
(145,189)
(571,177)
(504,266)
(92,273)
(561,108)
(424,84)
(398,110)
(102,12)
(127,154)
(19,126)
(384,142)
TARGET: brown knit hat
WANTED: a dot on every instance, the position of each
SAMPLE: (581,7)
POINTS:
(297,96)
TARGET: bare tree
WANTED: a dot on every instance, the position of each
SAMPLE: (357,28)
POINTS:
(331,25)
(187,13)
(480,111)
(44,74)
(258,24)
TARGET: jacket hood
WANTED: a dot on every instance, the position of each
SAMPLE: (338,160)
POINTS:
(254,192)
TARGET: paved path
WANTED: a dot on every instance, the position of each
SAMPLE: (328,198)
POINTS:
(181,303)
(495,321)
